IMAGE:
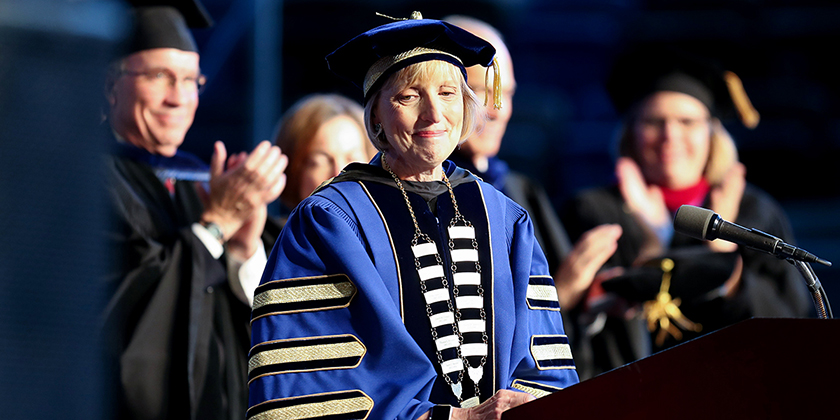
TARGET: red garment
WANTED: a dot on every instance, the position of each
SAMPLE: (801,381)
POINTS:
(170,185)
(693,196)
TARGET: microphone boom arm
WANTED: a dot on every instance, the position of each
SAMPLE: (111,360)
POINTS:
(815,287)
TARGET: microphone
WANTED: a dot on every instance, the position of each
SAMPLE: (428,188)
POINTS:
(700,223)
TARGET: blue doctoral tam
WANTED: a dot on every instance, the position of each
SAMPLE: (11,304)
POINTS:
(369,58)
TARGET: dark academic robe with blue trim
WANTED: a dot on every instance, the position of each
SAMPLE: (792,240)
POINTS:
(177,335)
(531,195)
(339,321)
(769,287)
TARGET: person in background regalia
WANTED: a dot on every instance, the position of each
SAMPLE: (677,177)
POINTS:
(320,134)
(574,267)
(674,151)
(188,236)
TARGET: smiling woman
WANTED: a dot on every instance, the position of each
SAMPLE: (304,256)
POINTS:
(673,151)
(321,134)
(417,289)
(421,116)
(672,139)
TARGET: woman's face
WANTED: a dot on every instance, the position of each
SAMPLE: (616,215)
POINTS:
(422,119)
(673,133)
(337,142)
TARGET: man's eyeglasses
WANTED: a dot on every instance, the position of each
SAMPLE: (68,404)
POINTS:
(166,79)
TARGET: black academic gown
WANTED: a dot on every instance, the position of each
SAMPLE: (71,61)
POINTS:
(178,335)
(769,287)
(529,194)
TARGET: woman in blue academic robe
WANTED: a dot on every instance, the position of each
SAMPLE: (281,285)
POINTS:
(407,288)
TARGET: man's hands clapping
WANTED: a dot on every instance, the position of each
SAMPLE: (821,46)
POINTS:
(240,191)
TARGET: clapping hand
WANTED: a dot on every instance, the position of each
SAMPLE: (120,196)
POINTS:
(645,201)
(579,268)
(240,191)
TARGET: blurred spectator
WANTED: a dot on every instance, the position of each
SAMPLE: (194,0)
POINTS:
(188,235)
(320,134)
(573,269)
(674,151)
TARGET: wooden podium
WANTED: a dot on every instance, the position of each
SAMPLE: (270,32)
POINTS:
(761,368)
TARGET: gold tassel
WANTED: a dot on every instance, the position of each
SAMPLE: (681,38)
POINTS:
(664,312)
(497,85)
(746,112)
(487,84)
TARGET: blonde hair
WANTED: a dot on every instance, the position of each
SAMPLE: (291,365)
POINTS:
(722,151)
(474,113)
(297,128)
